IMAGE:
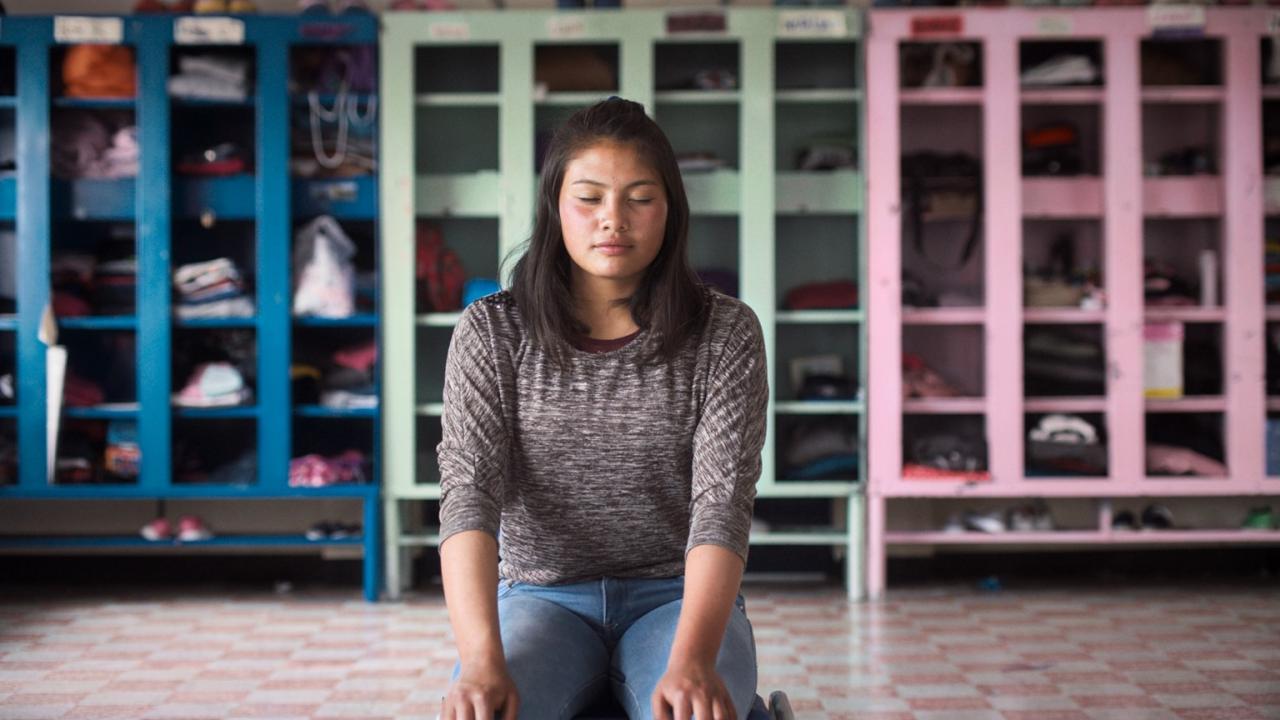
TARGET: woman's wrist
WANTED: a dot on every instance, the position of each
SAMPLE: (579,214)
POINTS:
(483,655)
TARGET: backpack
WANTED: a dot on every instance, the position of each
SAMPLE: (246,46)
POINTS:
(439,271)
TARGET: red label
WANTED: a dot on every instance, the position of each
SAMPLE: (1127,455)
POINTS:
(696,22)
(937,25)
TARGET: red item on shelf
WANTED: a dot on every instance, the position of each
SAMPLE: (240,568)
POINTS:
(833,295)
(924,472)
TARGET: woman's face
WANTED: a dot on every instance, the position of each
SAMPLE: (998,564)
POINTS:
(613,214)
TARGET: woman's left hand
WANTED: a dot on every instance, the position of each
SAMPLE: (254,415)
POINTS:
(692,690)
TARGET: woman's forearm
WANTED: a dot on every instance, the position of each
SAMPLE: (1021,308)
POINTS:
(469,569)
(712,578)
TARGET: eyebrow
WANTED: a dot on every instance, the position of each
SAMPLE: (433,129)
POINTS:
(597,183)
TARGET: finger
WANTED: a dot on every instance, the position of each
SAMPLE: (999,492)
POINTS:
(484,711)
(718,711)
(661,709)
(702,707)
(683,709)
(511,705)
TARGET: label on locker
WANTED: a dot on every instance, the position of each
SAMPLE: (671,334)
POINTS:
(927,25)
(812,23)
(696,21)
(449,31)
(1055,25)
(1175,19)
(208,31)
(93,30)
(567,27)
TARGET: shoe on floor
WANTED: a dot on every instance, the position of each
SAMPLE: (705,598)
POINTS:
(193,529)
(1157,517)
(1124,521)
(1259,518)
(157,530)
(986,522)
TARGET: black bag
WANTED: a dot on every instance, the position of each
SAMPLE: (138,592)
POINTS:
(939,186)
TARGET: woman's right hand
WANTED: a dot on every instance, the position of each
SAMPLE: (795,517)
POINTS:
(480,692)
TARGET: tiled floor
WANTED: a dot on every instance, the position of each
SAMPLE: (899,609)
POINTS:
(950,653)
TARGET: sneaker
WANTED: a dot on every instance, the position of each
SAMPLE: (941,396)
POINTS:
(313,7)
(988,522)
(319,531)
(1259,518)
(1124,521)
(193,529)
(344,531)
(1022,519)
(1157,517)
(157,530)
(955,524)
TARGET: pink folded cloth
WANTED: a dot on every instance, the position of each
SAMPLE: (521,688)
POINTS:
(1171,460)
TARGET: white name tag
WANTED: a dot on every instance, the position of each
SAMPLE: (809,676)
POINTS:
(1175,17)
(572,26)
(449,31)
(1055,25)
(812,23)
(93,30)
(208,31)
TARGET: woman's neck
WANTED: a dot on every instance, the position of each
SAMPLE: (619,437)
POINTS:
(596,305)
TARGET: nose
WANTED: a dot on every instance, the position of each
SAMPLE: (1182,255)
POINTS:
(613,215)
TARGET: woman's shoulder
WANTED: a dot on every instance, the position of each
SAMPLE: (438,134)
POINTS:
(495,316)
(728,316)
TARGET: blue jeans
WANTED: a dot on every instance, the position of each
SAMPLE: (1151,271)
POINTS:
(568,645)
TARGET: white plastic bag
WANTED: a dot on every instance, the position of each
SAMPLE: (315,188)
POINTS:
(325,277)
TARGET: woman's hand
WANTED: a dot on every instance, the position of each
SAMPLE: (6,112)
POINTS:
(692,690)
(480,692)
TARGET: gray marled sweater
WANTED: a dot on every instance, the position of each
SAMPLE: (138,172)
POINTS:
(608,468)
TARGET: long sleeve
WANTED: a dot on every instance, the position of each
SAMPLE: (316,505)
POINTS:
(728,439)
(473,450)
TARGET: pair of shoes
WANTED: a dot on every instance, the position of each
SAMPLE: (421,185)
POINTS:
(1032,517)
(1261,518)
(189,529)
(329,530)
(335,7)
(1154,517)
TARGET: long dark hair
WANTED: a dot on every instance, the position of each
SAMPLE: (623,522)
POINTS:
(670,300)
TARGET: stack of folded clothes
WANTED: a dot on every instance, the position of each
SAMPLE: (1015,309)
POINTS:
(316,470)
(211,289)
(210,77)
(349,384)
(94,145)
(214,384)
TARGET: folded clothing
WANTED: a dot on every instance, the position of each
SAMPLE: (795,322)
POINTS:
(212,288)
(1171,460)
(210,77)
(213,384)
(94,145)
(99,71)
(316,470)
